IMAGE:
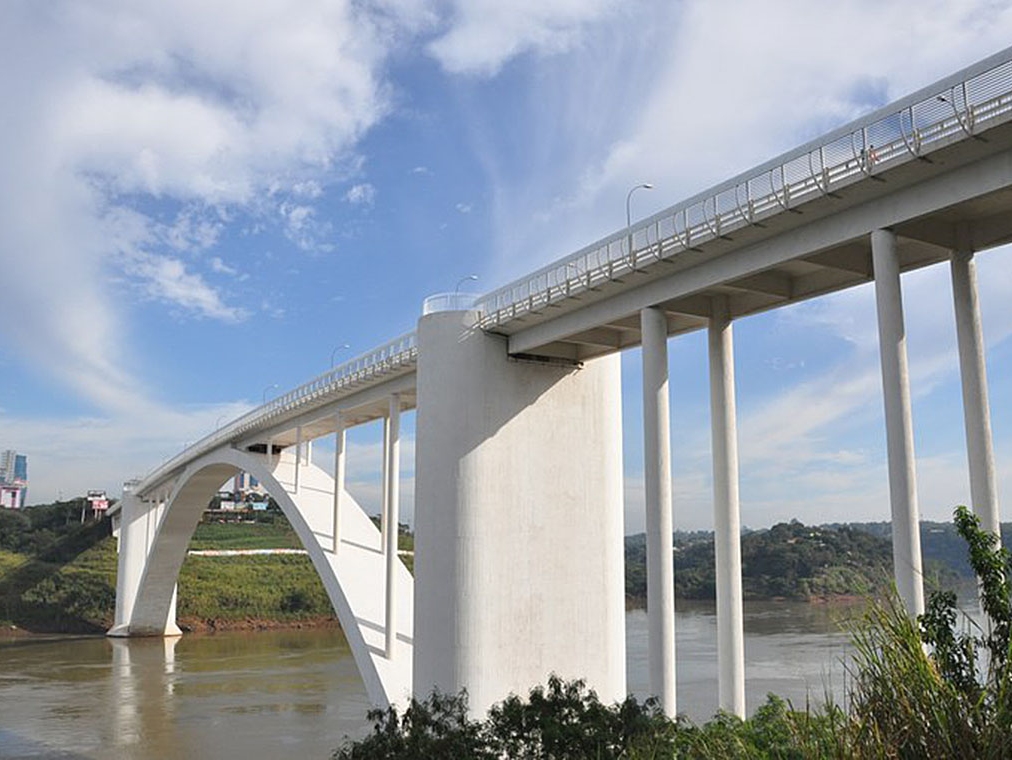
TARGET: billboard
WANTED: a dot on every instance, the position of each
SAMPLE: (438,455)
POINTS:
(97,501)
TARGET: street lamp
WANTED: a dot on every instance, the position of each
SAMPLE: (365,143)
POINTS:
(270,387)
(472,277)
(628,213)
(333,353)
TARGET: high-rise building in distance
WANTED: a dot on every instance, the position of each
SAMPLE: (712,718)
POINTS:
(13,479)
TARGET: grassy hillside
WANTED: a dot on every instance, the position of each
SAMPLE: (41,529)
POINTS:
(59,576)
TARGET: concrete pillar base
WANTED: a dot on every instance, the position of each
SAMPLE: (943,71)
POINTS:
(518,543)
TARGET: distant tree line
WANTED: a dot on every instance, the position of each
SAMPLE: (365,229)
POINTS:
(797,561)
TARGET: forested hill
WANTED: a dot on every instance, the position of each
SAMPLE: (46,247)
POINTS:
(797,561)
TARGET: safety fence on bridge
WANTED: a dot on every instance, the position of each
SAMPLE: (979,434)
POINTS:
(373,365)
(954,109)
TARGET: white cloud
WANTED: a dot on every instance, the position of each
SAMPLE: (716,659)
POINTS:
(166,279)
(484,34)
(307,189)
(206,106)
(304,229)
(363,194)
(703,91)
(463,208)
(192,231)
(220,267)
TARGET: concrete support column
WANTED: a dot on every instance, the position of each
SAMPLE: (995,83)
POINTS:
(726,513)
(393,474)
(657,475)
(384,476)
(298,457)
(130,567)
(518,518)
(976,409)
(899,424)
(339,470)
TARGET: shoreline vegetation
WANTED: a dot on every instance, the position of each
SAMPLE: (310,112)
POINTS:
(925,688)
(59,576)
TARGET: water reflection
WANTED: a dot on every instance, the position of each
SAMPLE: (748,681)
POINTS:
(231,695)
(142,685)
(793,650)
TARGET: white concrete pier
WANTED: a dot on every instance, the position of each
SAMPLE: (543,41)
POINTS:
(518,518)
(726,514)
(659,521)
(976,409)
(393,495)
(899,423)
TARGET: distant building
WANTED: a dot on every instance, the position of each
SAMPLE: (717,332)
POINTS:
(98,502)
(13,479)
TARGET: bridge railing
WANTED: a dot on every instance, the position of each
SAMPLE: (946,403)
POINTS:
(392,355)
(956,108)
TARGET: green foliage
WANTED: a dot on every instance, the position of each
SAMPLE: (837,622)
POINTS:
(953,700)
(565,721)
(790,561)
(265,587)
(42,529)
(273,534)
(60,575)
(70,588)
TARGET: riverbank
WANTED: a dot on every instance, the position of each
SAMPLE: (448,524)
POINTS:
(63,578)
(58,576)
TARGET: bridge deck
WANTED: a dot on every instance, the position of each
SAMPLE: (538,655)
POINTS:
(791,229)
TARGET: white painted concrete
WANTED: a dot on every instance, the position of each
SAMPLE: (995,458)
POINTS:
(130,562)
(976,409)
(340,467)
(726,514)
(393,475)
(141,519)
(385,480)
(899,423)
(837,229)
(353,578)
(659,521)
(518,518)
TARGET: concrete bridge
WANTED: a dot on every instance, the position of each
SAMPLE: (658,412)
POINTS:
(518,495)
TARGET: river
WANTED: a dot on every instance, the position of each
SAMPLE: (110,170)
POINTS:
(297,693)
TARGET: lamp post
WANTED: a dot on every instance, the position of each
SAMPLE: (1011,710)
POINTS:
(628,217)
(333,354)
(270,387)
(456,290)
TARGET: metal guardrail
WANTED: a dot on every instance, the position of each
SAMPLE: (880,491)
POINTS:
(449,302)
(954,109)
(394,354)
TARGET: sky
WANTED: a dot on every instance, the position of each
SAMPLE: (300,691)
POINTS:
(206,199)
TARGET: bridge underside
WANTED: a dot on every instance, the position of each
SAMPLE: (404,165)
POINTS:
(960,198)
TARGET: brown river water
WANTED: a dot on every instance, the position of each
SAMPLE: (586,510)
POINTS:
(296,694)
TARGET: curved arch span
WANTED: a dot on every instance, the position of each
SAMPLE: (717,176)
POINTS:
(354,578)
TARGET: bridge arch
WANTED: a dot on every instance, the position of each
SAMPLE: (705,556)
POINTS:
(353,577)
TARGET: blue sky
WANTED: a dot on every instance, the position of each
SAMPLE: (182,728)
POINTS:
(204,200)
